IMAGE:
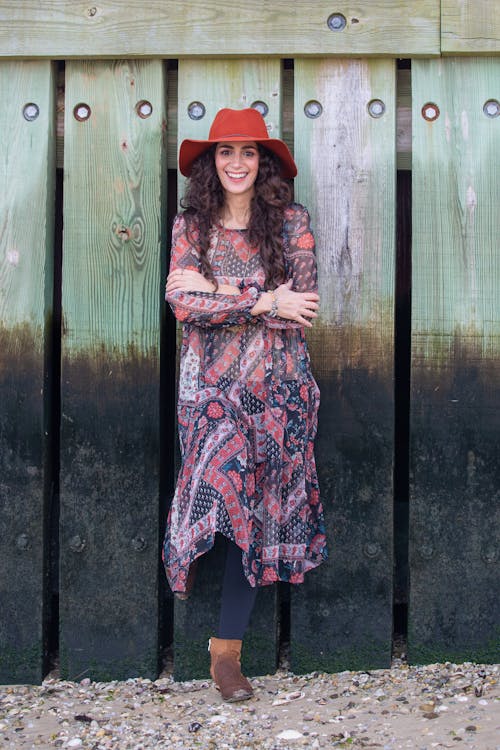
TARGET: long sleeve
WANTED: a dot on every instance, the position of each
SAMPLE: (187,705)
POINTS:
(300,258)
(205,309)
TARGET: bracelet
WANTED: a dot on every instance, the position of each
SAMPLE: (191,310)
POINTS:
(274,306)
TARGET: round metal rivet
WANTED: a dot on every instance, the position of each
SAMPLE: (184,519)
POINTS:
(138,544)
(313,109)
(376,108)
(144,109)
(23,542)
(196,110)
(489,555)
(430,111)
(426,551)
(491,108)
(81,112)
(336,22)
(260,107)
(372,549)
(31,111)
(76,543)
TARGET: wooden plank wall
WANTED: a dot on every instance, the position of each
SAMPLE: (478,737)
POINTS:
(455,399)
(218,28)
(114,203)
(27,179)
(347,161)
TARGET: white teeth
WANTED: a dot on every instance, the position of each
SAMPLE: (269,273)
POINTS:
(236,175)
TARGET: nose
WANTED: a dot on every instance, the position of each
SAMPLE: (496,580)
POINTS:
(236,157)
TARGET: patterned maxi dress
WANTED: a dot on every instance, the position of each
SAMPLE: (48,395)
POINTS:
(247,414)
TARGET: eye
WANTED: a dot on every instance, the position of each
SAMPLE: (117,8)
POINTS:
(224,152)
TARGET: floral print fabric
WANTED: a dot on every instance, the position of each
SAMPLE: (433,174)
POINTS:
(247,414)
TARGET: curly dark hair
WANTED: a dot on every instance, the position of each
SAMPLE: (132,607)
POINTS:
(204,200)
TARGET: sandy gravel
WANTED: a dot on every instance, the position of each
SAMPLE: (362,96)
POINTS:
(434,706)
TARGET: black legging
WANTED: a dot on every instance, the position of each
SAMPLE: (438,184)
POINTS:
(238,597)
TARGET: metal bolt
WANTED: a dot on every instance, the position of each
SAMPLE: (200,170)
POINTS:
(196,110)
(31,111)
(376,108)
(430,111)
(336,22)
(144,109)
(426,551)
(138,544)
(23,542)
(313,109)
(81,112)
(372,549)
(260,107)
(489,555)
(491,108)
(77,544)
(91,12)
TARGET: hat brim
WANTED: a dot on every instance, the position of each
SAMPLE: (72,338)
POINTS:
(190,150)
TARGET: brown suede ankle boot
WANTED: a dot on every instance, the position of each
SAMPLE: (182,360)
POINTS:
(225,669)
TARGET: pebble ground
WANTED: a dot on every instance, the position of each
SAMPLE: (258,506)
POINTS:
(422,707)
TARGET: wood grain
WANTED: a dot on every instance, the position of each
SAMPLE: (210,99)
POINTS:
(27,188)
(470,27)
(120,28)
(347,164)
(114,202)
(455,395)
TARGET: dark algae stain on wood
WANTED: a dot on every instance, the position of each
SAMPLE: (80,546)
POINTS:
(455,512)
(109,516)
(24,496)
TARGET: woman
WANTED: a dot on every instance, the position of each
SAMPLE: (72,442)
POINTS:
(243,282)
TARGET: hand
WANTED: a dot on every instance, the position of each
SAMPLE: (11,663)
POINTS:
(298,306)
(188,280)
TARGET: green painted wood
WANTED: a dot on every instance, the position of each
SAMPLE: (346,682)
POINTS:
(27,180)
(470,27)
(121,28)
(218,84)
(113,225)
(341,616)
(455,414)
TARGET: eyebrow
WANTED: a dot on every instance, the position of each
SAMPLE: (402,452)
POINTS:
(243,145)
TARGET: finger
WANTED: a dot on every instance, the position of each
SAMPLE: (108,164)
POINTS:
(303,321)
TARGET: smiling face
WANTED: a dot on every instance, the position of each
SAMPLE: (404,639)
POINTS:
(237,165)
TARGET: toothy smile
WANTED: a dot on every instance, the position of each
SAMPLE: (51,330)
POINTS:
(237,175)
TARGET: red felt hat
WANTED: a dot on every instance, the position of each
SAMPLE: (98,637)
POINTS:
(237,125)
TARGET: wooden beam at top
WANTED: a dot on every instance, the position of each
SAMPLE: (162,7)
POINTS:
(176,28)
(470,27)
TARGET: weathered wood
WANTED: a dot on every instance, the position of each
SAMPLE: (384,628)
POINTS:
(470,27)
(403,119)
(27,179)
(455,413)
(113,222)
(346,162)
(218,84)
(117,28)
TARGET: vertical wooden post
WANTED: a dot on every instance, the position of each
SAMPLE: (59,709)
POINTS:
(27,179)
(341,617)
(217,84)
(455,408)
(113,222)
